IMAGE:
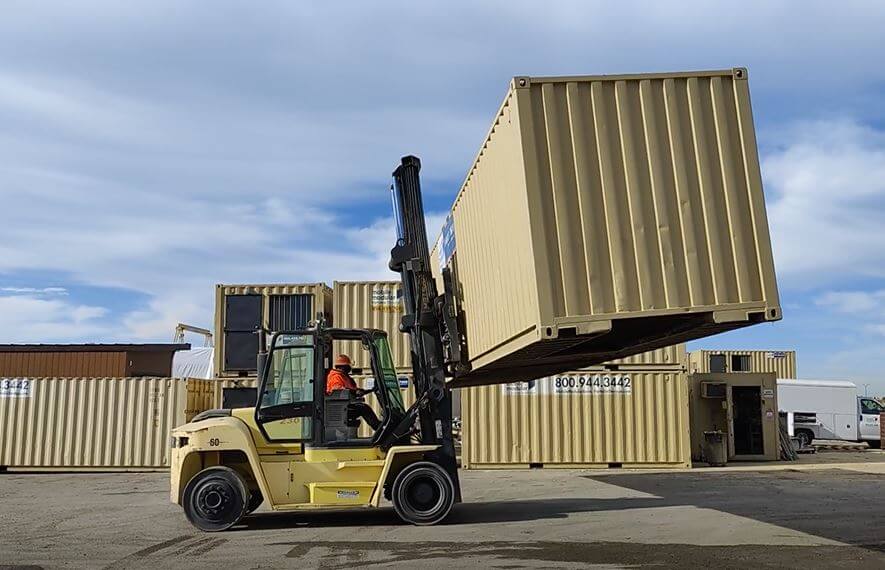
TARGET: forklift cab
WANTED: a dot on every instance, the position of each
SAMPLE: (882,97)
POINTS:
(293,405)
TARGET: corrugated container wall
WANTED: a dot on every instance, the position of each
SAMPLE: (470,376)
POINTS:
(628,419)
(376,305)
(240,310)
(781,362)
(97,423)
(628,215)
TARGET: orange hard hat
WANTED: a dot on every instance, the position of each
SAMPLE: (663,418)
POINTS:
(342,360)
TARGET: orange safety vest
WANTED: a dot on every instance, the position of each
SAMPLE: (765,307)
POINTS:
(337,380)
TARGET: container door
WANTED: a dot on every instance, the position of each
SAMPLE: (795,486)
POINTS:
(747,422)
(242,320)
(290,312)
(868,421)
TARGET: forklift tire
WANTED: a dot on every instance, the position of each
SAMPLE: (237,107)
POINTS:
(423,494)
(255,500)
(215,499)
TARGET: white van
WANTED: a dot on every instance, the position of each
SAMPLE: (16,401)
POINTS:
(828,409)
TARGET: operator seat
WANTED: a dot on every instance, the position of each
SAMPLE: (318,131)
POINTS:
(336,425)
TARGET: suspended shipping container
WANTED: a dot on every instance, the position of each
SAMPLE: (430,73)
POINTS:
(781,362)
(587,419)
(94,423)
(371,305)
(241,310)
(606,216)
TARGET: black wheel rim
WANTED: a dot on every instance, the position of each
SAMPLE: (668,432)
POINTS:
(215,501)
(424,494)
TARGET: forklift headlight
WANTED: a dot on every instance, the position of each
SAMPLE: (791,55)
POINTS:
(175,442)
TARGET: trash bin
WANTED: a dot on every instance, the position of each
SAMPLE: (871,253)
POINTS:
(715,451)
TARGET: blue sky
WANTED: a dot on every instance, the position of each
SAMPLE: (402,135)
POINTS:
(149,151)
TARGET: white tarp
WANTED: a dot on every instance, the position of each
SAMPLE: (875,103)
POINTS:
(193,363)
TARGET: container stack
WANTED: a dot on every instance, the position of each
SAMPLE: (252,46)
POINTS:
(242,310)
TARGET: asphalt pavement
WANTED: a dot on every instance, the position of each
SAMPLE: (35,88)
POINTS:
(805,516)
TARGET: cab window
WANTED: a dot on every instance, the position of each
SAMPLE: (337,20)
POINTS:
(870,406)
(388,372)
(288,396)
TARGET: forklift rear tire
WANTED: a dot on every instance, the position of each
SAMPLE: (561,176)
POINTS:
(215,499)
(423,494)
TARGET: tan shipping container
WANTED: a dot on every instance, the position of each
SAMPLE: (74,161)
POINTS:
(94,423)
(781,362)
(274,306)
(375,305)
(640,419)
(610,215)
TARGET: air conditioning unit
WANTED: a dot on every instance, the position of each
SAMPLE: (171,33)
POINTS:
(713,390)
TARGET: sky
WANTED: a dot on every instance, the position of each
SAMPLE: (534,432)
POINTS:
(150,150)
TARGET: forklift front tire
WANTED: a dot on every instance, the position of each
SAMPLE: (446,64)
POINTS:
(215,499)
(423,494)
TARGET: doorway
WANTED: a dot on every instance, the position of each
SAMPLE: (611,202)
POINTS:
(747,421)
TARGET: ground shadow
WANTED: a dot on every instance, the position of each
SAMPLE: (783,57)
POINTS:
(527,510)
(837,504)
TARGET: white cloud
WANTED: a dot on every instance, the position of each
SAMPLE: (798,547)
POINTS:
(163,155)
(27,319)
(34,290)
(858,303)
(826,189)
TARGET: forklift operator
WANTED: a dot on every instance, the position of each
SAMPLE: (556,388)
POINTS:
(339,379)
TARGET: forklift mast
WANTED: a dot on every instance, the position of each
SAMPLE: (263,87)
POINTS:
(428,316)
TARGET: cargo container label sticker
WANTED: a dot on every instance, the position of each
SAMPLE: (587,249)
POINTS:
(775,354)
(447,242)
(572,384)
(387,300)
(15,387)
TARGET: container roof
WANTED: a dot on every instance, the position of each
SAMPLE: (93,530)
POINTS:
(157,347)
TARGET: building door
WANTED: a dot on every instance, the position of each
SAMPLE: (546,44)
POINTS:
(747,420)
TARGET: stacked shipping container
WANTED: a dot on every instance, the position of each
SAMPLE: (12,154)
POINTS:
(781,362)
(588,419)
(371,305)
(632,412)
(94,423)
(241,310)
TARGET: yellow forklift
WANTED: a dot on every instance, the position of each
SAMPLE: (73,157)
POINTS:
(298,447)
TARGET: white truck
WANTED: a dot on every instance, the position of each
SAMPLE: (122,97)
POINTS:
(828,409)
